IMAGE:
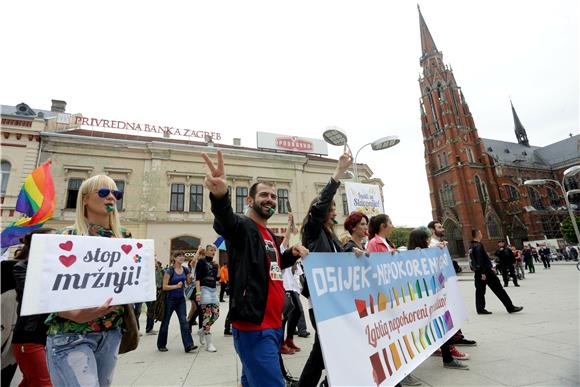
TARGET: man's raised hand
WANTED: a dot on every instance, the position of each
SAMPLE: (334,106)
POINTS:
(215,179)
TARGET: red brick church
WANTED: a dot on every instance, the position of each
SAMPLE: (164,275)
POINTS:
(476,182)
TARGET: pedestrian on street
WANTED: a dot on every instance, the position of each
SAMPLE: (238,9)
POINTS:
(420,238)
(528,258)
(507,260)
(255,269)
(545,254)
(224,279)
(206,277)
(519,265)
(82,345)
(318,236)
(484,276)
(175,278)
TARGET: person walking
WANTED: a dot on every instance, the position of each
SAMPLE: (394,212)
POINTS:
(29,336)
(484,276)
(224,279)
(318,236)
(519,265)
(206,277)
(175,278)
(255,270)
(545,253)
(82,345)
(507,260)
(528,258)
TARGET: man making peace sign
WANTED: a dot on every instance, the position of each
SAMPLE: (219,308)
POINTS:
(255,268)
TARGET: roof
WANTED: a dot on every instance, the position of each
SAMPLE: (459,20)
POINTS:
(533,156)
(24,111)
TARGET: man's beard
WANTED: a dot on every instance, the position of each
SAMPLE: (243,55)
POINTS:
(262,213)
(439,235)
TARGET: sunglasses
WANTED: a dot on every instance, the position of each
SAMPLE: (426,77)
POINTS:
(104,192)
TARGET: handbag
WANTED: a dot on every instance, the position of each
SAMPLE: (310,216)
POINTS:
(129,330)
(189,290)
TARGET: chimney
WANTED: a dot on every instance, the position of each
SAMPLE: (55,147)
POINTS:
(237,141)
(58,106)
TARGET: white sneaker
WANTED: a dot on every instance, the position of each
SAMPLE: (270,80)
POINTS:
(209,345)
(201,335)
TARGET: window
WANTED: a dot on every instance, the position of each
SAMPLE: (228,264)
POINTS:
(177,197)
(241,194)
(5,176)
(196,198)
(73,192)
(554,198)
(482,194)
(446,193)
(493,227)
(344,204)
(535,199)
(512,192)
(283,201)
(470,157)
(121,187)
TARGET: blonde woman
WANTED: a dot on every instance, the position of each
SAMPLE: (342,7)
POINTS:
(82,345)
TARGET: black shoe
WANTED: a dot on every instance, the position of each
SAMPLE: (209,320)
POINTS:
(164,349)
(484,312)
(505,285)
(304,334)
(516,309)
(227,333)
(465,342)
(516,285)
(192,347)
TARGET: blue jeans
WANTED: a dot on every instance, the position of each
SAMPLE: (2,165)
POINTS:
(259,353)
(177,305)
(137,307)
(82,360)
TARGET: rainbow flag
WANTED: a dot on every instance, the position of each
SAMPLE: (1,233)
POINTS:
(36,200)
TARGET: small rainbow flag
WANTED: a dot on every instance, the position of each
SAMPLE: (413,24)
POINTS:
(36,200)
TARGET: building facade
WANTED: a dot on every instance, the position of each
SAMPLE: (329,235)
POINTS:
(478,183)
(162,177)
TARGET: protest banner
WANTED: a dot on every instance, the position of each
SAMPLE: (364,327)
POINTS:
(391,311)
(67,272)
(365,198)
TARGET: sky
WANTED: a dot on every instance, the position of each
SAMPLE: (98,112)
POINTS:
(238,67)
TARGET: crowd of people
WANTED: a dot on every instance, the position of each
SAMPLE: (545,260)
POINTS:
(263,278)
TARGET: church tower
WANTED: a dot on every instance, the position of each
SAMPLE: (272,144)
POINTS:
(459,170)
(519,128)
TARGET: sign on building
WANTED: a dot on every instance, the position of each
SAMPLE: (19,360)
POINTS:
(282,142)
(365,198)
(67,272)
(392,311)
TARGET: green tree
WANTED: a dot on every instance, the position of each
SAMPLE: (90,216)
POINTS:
(567,230)
(400,236)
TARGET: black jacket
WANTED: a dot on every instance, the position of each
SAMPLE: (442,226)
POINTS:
(248,262)
(480,260)
(28,329)
(506,256)
(314,235)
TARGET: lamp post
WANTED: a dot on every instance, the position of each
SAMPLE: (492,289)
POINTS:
(567,173)
(336,136)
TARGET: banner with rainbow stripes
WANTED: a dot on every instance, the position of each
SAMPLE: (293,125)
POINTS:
(381,316)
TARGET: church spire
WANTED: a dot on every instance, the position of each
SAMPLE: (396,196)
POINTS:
(427,43)
(519,128)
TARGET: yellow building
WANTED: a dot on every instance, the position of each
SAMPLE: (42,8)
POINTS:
(162,177)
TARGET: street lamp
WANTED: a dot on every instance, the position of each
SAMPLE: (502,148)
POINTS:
(336,136)
(567,173)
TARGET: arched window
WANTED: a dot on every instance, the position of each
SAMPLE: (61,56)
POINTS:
(554,197)
(535,199)
(493,227)
(512,192)
(482,194)
(470,157)
(5,176)
(446,193)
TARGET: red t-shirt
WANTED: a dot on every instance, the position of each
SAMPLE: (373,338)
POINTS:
(275,301)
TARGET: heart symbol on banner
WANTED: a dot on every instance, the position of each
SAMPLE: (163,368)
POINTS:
(66,246)
(67,261)
(126,248)
(139,245)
